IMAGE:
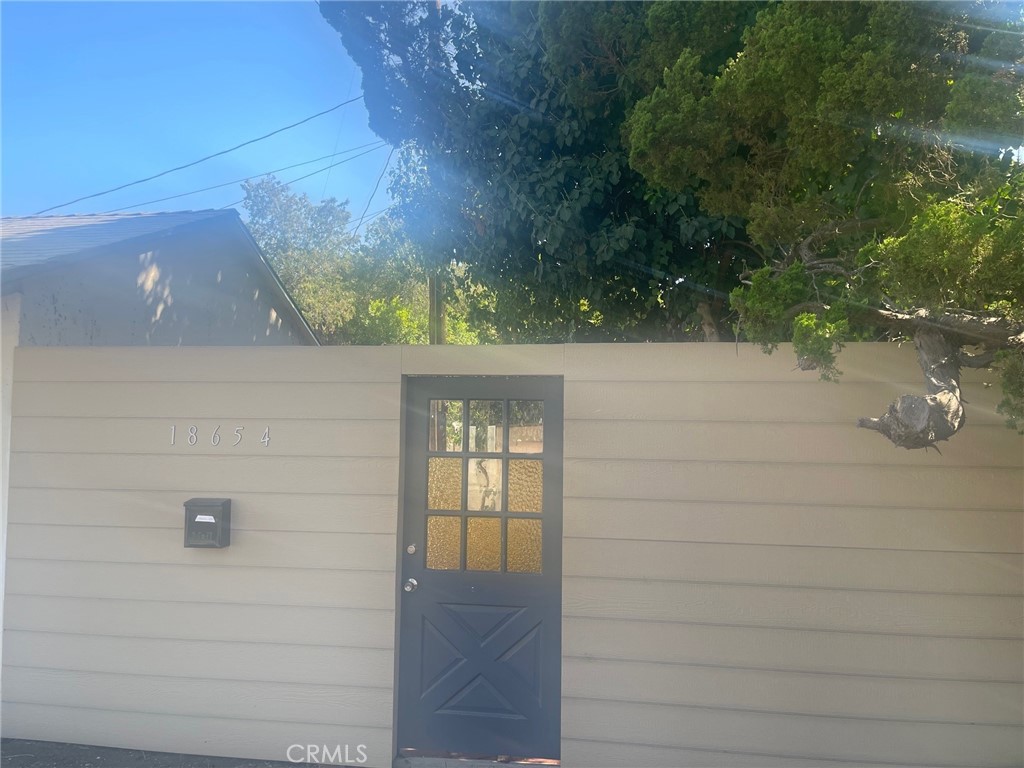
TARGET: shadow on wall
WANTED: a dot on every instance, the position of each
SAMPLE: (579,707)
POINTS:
(216,297)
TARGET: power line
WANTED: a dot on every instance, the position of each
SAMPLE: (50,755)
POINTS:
(325,168)
(314,173)
(375,145)
(337,138)
(371,217)
(375,186)
(200,160)
(341,125)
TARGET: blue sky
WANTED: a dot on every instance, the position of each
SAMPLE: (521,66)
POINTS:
(97,94)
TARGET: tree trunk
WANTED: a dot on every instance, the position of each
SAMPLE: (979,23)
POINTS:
(708,323)
(915,421)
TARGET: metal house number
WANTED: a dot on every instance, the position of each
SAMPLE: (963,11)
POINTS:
(192,436)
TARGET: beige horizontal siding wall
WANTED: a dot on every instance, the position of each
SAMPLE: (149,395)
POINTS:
(750,580)
(116,634)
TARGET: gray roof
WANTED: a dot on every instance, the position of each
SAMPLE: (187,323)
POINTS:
(35,240)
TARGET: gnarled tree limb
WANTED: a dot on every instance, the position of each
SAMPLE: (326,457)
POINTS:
(962,328)
(980,360)
(915,421)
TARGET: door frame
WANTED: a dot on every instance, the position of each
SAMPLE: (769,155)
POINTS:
(552,527)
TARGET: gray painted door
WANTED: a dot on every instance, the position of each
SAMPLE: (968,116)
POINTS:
(480,570)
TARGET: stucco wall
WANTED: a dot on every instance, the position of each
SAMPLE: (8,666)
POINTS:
(748,579)
(197,290)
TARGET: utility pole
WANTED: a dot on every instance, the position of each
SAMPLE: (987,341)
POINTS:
(436,320)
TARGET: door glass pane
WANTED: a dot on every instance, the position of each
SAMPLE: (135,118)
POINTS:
(483,544)
(524,546)
(445,425)
(484,485)
(526,426)
(525,485)
(486,426)
(444,483)
(444,542)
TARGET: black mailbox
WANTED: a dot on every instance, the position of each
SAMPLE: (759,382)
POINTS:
(207,522)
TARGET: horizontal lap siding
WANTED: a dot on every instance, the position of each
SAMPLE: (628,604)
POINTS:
(801,566)
(794,735)
(209,364)
(181,402)
(877,654)
(210,582)
(798,692)
(117,634)
(227,623)
(750,580)
(752,401)
(769,606)
(255,549)
(300,512)
(797,524)
(982,445)
(369,438)
(859,485)
(204,697)
(187,733)
(224,475)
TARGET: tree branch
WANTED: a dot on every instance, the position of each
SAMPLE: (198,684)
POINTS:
(962,328)
(831,230)
(980,360)
(913,421)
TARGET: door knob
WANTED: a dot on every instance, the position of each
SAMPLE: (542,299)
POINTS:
(410,585)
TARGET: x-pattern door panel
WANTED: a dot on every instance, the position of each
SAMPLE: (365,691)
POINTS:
(480,615)
(454,653)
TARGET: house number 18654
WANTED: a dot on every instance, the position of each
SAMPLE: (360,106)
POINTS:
(191,436)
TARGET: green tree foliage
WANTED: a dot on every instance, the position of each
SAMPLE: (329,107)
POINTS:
(613,170)
(392,280)
(869,149)
(309,247)
(352,290)
(391,289)
(514,165)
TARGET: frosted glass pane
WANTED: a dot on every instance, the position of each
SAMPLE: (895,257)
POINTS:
(483,544)
(526,426)
(445,426)
(524,546)
(484,485)
(444,543)
(525,485)
(486,426)
(444,483)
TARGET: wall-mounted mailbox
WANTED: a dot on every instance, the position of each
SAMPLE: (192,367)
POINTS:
(207,522)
